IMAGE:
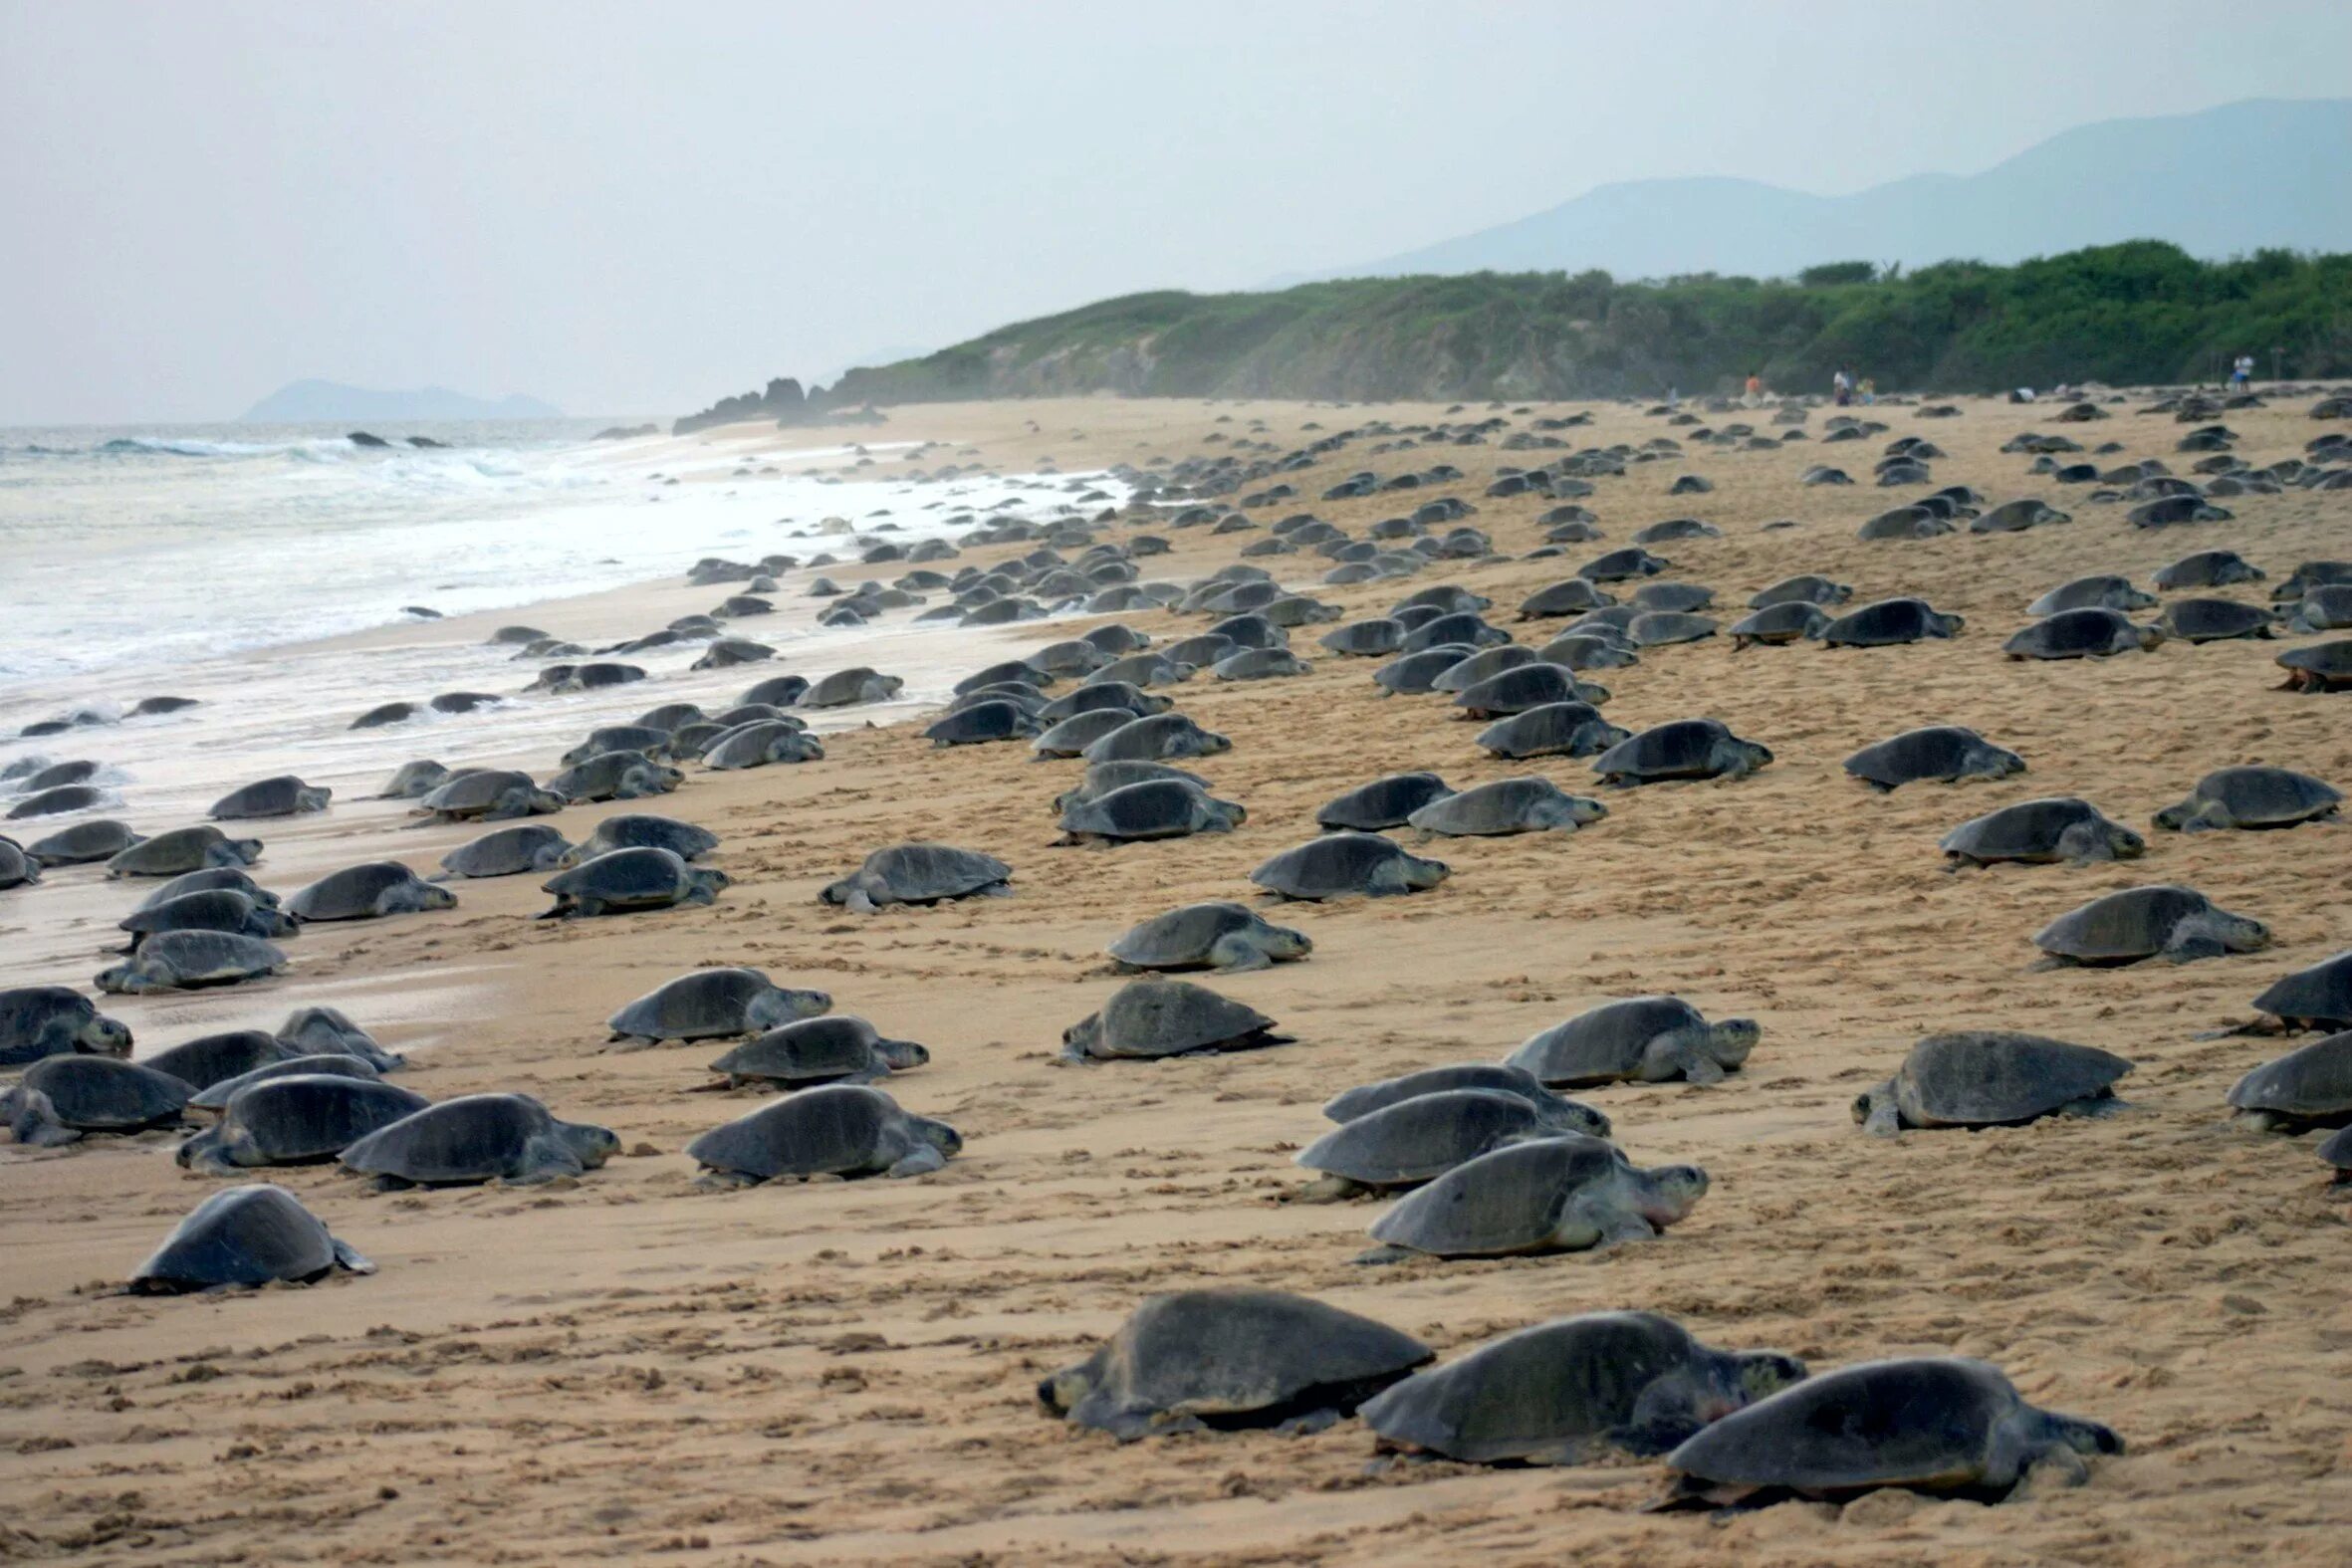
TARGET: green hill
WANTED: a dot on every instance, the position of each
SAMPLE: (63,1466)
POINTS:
(2132,314)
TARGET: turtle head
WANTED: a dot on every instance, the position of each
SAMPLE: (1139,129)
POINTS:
(2127,844)
(1764,1373)
(1420,873)
(124,979)
(2175,819)
(432,895)
(1674,1191)
(1210,743)
(103,1037)
(1281,942)
(1731,1040)
(233,852)
(2151,638)
(1583,809)
(781,1006)
(2083,1436)
(1061,1393)
(2241,935)
(900,1055)
(939,1135)
(594,1145)
(313,798)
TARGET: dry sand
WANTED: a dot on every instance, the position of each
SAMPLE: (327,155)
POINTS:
(628,1368)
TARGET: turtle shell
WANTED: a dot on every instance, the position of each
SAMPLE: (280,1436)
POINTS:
(2311,1084)
(714,1004)
(479,1138)
(1414,1140)
(507,851)
(1503,1203)
(1339,865)
(837,1129)
(1384,802)
(1998,1078)
(643,830)
(106,1093)
(246,1235)
(1606,1043)
(301,1119)
(1153,1018)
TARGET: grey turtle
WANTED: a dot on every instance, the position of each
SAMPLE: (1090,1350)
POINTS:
(714,1004)
(1416,673)
(2322,667)
(17,868)
(642,830)
(1597,649)
(1530,805)
(1559,728)
(626,881)
(284,796)
(835,1129)
(209,1059)
(58,802)
(1347,864)
(2252,798)
(1779,625)
(830,1050)
(1364,638)
(232,879)
(1101,778)
(1574,596)
(616,776)
(2083,634)
(185,849)
(507,851)
(329,1031)
(1902,523)
(1384,802)
(1458,627)
(83,843)
(217,910)
(61,1098)
(983,722)
(2310,1086)
(479,1138)
(1805,588)
(1475,669)
(1942,753)
(2105,590)
(246,1236)
(414,780)
(369,892)
(216,1096)
(1620,565)
(1574,1391)
(1155,808)
(1259,664)
(2324,608)
(1219,936)
(1992,1078)
(1664,628)
(2015,516)
(1531,685)
(1230,1358)
(2176,924)
(295,1119)
(2337,1152)
(1935,1424)
(1096,696)
(1680,748)
(1671,599)
(762,743)
(1641,1039)
(1563,1194)
(2209,568)
(845,688)
(188,960)
(1151,1018)
(1888,623)
(1072,736)
(489,795)
(1156,739)
(1415,1141)
(2166,511)
(2042,832)
(1557,1114)
(920,874)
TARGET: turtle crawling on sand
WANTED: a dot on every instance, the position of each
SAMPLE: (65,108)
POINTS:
(1416,1140)
(714,1004)
(1942,753)
(2252,798)
(1564,1193)
(2176,924)
(837,1048)
(249,1236)
(920,873)
(1153,1018)
(624,881)
(1221,936)
(2042,832)
(1343,866)
(295,1119)
(369,892)
(480,1138)
(188,960)
(2307,1087)
(1642,1039)
(837,1129)
(60,1098)
(1992,1078)
(1561,1115)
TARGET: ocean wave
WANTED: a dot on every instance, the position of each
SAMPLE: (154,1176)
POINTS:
(171,446)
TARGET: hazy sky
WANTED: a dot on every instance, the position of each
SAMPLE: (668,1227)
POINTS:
(635,208)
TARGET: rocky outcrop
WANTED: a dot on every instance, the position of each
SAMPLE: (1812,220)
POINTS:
(784,403)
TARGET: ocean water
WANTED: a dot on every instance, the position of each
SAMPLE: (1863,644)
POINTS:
(212,563)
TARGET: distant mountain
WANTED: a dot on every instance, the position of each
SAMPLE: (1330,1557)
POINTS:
(2221,182)
(300,402)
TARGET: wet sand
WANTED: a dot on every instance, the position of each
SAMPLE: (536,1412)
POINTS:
(628,1367)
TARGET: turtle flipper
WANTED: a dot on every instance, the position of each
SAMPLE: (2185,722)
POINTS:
(919,1161)
(2194,941)
(36,1122)
(349,1257)
(1234,954)
(1880,1118)
(1381,1255)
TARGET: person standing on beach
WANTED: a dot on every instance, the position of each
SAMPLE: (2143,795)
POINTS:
(1754,388)
(2242,371)
(1869,391)
(1842,387)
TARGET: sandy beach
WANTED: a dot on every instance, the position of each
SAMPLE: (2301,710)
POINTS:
(630,1368)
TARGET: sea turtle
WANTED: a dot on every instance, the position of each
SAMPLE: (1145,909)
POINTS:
(760,744)
(616,776)
(60,801)
(1805,588)
(1779,625)
(714,1004)
(1574,596)
(83,843)
(491,794)
(2178,923)
(1219,936)
(414,779)
(835,1129)
(2042,832)
(1156,739)
(1558,729)
(995,720)
(1416,673)
(329,1031)
(1888,622)
(253,1236)
(185,849)
(214,1059)
(1621,565)
(1992,1078)
(1557,1114)
(1096,696)
(643,830)
(1227,1358)
(920,874)
(1531,685)
(1504,807)
(1156,808)
(781,691)
(833,1048)
(2015,516)
(187,960)
(368,892)
(216,910)
(1340,865)
(1073,735)
(1417,1140)
(385,714)
(623,881)
(1384,802)
(1943,753)
(2252,798)
(60,1098)
(1364,638)
(2209,568)
(1566,1192)
(295,1119)
(2165,511)
(507,851)
(1680,748)
(1259,664)
(1461,626)
(1152,1017)
(2081,635)
(1642,1039)
(2321,667)
(232,879)
(1574,1390)
(1103,778)
(284,796)
(216,1096)
(17,868)
(1473,669)
(479,1138)
(1931,1424)
(2104,591)
(1666,628)
(2326,609)
(2310,1086)
(845,688)
(1901,523)
(1600,648)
